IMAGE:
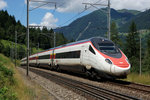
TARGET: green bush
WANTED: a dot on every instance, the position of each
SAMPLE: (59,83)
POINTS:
(7,48)
(6,82)
(7,94)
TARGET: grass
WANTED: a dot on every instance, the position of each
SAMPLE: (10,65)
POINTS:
(12,85)
(7,81)
(143,79)
(24,92)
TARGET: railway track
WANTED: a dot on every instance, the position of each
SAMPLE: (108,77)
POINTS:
(132,86)
(89,91)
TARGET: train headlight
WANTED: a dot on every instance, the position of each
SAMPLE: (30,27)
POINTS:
(108,61)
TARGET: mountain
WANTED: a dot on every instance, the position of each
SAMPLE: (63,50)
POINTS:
(142,20)
(135,12)
(94,24)
(97,20)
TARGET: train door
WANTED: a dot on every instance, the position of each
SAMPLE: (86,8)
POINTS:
(52,57)
(37,63)
(85,55)
(49,58)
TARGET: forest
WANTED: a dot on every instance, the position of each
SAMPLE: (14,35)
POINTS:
(40,39)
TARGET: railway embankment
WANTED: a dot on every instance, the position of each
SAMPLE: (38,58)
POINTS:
(16,86)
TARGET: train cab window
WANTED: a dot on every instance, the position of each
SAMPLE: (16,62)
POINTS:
(105,44)
(91,49)
(110,49)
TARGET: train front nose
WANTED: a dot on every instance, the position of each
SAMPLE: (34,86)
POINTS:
(120,70)
(120,67)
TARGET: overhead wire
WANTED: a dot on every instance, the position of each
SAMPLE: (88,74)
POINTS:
(46,4)
(57,8)
(38,7)
(77,14)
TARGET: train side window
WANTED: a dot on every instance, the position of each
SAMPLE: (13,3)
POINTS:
(72,54)
(91,49)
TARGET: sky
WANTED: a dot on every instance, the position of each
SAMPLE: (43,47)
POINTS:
(58,13)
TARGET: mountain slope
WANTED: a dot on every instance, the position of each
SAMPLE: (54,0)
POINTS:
(96,22)
(142,21)
(135,12)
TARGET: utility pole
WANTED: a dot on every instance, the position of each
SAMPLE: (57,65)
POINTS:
(109,18)
(108,15)
(27,37)
(140,54)
(46,2)
(54,39)
(54,48)
(15,48)
(12,51)
(38,45)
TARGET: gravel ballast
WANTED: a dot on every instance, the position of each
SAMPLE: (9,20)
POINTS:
(58,92)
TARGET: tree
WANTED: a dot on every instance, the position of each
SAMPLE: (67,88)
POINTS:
(132,41)
(148,47)
(146,60)
(2,33)
(51,31)
(10,33)
(132,47)
(115,34)
(60,39)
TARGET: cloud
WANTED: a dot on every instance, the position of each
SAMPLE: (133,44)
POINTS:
(64,5)
(77,6)
(3,4)
(48,20)
(131,4)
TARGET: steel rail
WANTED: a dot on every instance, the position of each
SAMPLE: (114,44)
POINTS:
(130,85)
(90,90)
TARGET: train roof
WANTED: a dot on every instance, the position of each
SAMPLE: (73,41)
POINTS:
(93,40)
(81,41)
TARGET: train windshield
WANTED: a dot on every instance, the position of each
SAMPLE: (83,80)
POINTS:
(108,48)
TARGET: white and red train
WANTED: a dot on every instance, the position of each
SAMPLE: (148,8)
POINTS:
(95,56)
